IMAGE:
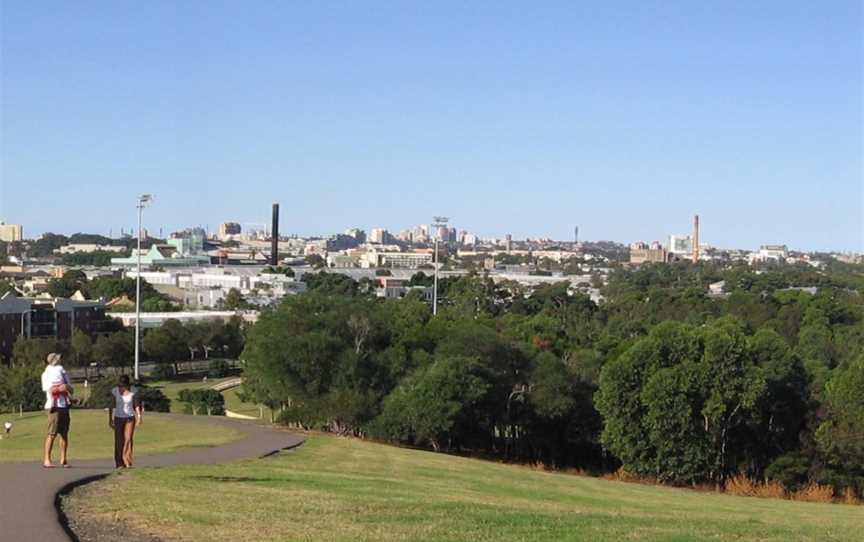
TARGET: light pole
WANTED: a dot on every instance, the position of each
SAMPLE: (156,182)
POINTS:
(438,222)
(143,200)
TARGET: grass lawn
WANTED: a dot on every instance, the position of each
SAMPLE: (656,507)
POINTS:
(91,438)
(342,489)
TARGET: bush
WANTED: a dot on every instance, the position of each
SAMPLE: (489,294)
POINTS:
(218,369)
(100,396)
(154,400)
(162,372)
(792,470)
(202,401)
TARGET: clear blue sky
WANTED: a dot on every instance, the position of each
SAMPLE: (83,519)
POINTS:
(519,117)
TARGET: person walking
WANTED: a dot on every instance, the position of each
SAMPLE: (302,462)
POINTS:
(58,399)
(124,418)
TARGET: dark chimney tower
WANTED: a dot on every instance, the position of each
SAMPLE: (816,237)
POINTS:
(274,239)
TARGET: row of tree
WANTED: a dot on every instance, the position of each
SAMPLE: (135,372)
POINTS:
(659,378)
(168,346)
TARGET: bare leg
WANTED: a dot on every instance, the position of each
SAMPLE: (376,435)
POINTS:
(118,443)
(49,444)
(64,446)
(129,432)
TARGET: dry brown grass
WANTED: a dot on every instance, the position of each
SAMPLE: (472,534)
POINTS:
(743,486)
(814,493)
(849,497)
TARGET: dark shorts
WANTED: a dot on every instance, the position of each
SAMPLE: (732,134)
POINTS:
(58,422)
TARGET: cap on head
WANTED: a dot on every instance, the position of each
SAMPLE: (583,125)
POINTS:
(54,358)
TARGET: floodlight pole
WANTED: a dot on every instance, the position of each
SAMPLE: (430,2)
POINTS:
(438,222)
(142,202)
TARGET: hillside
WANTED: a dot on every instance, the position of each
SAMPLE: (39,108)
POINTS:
(343,489)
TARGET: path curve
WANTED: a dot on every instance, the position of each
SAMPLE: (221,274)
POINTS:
(28,492)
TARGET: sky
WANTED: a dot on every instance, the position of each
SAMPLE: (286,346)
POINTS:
(530,118)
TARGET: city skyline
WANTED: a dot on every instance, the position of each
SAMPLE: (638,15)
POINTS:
(624,120)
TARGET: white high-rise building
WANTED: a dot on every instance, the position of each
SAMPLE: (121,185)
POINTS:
(11,232)
(378,236)
(680,244)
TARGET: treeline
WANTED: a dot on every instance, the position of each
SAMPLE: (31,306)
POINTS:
(168,346)
(47,243)
(110,287)
(659,379)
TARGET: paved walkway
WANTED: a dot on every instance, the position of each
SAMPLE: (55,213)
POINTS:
(28,492)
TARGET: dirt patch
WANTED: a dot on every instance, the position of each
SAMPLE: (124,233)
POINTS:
(94,525)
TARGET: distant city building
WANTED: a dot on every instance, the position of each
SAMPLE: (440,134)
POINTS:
(378,236)
(643,253)
(406,236)
(469,239)
(680,245)
(421,234)
(508,242)
(228,229)
(343,261)
(176,252)
(777,253)
(11,232)
(48,317)
(357,234)
(85,247)
(405,260)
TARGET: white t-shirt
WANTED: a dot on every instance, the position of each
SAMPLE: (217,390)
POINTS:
(52,376)
(124,404)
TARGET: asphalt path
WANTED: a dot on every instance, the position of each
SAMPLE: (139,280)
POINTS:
(29,493)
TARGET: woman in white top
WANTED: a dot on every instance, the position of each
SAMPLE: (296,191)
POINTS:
(126,415)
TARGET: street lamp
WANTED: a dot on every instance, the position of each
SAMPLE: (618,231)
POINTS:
(143,200)
(438,223)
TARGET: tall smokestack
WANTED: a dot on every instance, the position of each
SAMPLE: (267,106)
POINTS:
(695,238)
(274,239)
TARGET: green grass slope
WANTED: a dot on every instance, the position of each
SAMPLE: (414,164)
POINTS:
(343,489)
(91,438)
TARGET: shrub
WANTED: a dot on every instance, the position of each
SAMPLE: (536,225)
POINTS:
(100,396)
(792,470)
(162,371)
(202,401)
(154,400)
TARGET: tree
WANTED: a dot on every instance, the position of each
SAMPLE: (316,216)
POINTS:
(234,300)
(841,434)
(167,344)
(68,284)
(115,349)
(316,261)
(429,407)
(674,402)
(81,348)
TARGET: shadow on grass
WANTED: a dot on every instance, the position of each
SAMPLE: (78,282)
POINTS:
(236,479)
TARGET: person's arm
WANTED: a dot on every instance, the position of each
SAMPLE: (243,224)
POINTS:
(139,411)
(111,412)
(69,389)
